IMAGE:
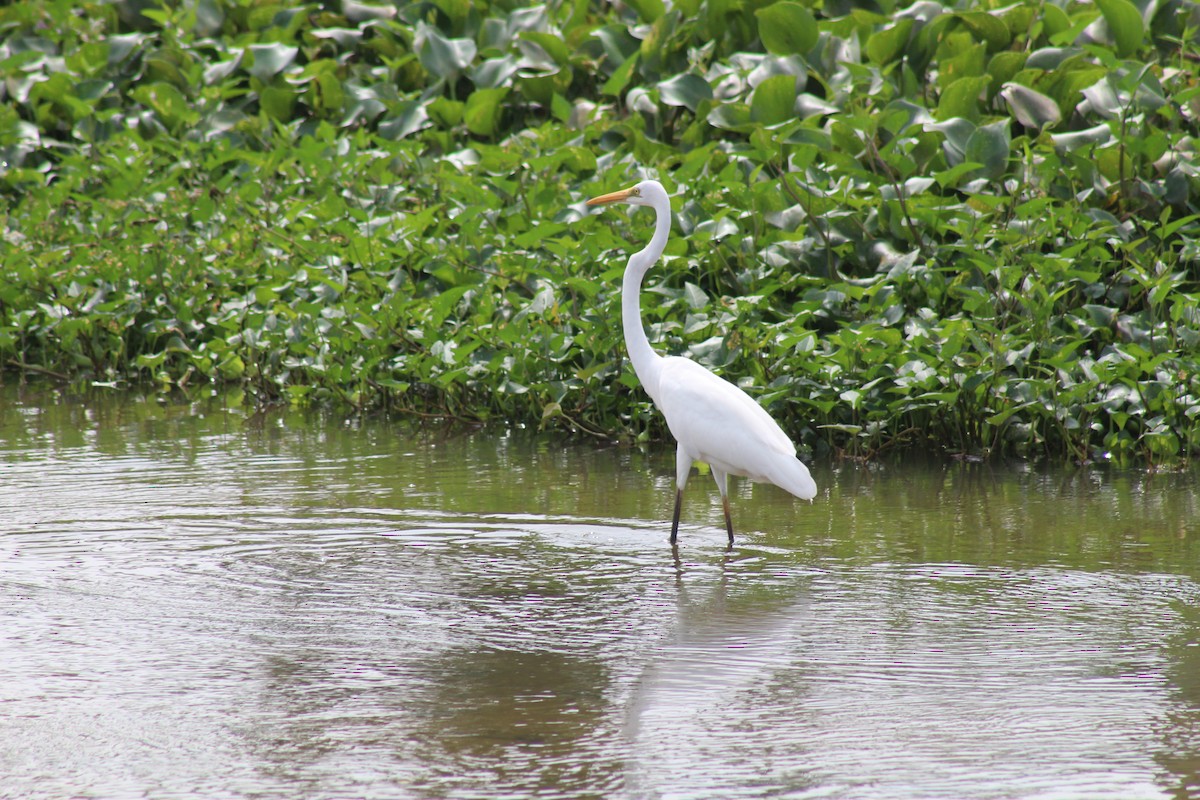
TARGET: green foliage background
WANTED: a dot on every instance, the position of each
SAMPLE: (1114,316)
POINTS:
(969,228)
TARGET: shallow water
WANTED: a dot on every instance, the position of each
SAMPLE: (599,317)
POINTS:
(196,602)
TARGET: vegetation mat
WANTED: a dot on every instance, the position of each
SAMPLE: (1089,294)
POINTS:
(963,228)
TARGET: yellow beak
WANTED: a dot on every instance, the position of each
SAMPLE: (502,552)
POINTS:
(611,197)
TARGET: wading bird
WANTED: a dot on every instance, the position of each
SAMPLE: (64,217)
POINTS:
(711,419)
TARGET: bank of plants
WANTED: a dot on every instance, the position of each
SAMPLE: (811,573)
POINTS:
(967,228)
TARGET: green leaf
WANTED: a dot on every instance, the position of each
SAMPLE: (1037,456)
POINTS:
(268,60)
(553,45)
(648,10)
(363,12)
(1124,25)
(1074,140)
(1054,20)
(277,101)
(484,108)
(1003,66)
(961,98)
(685,89)
(444,112)
(953,176)
(787,28)
(774,100)
(445,58)
(1031,108)
(910,188)
(620,77)
(560,107)
(990,145)
(494,72)
(986,28)
(695,296)
(731,116)
(887,45)
(408,117)
(209,17)
(1101,316)
(167,102)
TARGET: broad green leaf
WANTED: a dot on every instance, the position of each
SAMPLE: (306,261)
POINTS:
(324,93)
(406,119)
(1101,316)
(484,108)
(277,101)
(1003,66)
(552,45)
(1104,99)
(961,98)
(887,45)
(1051,58)
(166,101)
(695,296)
(1114,163)
(787,28)
(561,108)
(953,177)
(617,43)
(534,236)
(686,89)
(268,60)
(969,60)
(1124,25)
(986,28)
(1000,417)
(1031,108)
(445,58)
(363,12)
(899,115)
(494,72)
(121,45)
(990,145)
(542,88)
(911,187)
(620,78)
(218,71)
(774,100)
(648,10)
(1054,19)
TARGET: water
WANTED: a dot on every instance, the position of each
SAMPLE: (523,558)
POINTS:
(196,602)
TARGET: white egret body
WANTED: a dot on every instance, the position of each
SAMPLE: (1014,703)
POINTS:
(711,419)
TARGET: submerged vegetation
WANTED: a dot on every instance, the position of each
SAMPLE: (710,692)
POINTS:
(970,228)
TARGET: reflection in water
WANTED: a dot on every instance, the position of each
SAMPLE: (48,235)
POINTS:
(897,680)
(1179,727)
(199,603)
(522,724)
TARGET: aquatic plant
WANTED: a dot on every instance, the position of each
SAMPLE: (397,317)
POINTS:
(965,228)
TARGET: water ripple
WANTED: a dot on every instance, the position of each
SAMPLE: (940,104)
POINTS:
(327,612)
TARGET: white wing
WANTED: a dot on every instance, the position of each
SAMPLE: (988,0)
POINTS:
(718,423)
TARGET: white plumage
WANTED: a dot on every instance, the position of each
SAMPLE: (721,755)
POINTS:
(711,419)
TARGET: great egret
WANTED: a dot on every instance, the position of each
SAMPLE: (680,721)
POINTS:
(711,419)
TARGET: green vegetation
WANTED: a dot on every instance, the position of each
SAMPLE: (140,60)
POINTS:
(962,228)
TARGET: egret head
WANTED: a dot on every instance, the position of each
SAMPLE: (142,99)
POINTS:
(646,193)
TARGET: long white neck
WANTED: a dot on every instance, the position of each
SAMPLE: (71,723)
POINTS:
(645,360)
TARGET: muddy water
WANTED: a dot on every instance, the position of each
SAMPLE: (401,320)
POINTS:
(196,602)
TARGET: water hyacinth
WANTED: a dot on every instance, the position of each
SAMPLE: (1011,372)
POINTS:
(962,229)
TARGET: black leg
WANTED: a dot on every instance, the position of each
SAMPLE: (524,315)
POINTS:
(728,519)
(675,521)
